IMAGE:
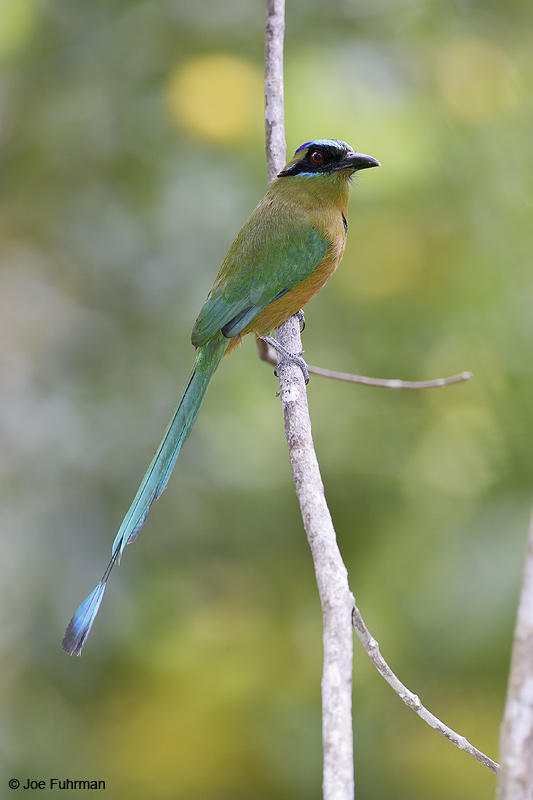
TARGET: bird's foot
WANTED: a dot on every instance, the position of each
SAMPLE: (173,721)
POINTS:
(287,358)
(301,319)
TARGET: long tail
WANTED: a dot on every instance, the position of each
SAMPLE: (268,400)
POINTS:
(153,483)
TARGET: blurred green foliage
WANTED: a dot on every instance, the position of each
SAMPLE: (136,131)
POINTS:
(131,152)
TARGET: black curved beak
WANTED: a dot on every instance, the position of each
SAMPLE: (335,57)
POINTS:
(357,161)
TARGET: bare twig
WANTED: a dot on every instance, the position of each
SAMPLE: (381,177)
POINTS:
(269,355)
(412,700)
(516,745)
(391,383)
(367,640)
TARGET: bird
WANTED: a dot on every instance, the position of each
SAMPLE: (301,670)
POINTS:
(284,254)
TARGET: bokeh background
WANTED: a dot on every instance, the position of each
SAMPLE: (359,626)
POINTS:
(132,150)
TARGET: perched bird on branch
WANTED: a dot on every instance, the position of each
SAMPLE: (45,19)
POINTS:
(286,251)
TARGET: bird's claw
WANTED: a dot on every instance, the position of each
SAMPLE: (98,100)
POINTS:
(286,358)
(301,319)
(293,358)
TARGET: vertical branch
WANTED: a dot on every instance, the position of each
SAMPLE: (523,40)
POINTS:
(332,577)
(274,116)
(516,745)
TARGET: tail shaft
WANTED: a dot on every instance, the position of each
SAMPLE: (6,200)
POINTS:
(153,483)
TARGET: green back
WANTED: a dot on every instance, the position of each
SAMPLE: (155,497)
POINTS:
(275,250)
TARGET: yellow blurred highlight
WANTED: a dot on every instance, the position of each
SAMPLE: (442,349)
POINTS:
(389,256)
(17,18)
(476,79)
(217,97)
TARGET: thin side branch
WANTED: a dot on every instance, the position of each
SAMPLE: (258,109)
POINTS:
(516,745)
(391,383)
(269,355)
(412,700)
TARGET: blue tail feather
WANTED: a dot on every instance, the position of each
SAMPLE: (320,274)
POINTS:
(81,623)
(153,484)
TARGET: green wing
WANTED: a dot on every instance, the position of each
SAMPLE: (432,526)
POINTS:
(269,257)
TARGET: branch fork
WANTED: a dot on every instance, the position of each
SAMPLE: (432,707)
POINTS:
(339,610)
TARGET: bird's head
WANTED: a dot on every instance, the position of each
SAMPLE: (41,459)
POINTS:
(327,157)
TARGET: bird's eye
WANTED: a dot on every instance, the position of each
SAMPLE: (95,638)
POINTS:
(317,157)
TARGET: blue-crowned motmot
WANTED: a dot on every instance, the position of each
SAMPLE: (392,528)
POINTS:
(286,251)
